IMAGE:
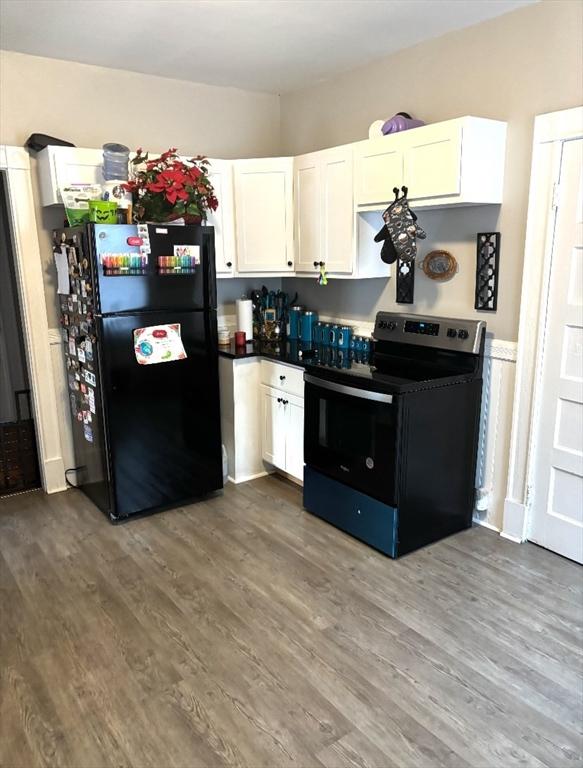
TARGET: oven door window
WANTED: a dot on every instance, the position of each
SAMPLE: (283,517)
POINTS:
(351,439)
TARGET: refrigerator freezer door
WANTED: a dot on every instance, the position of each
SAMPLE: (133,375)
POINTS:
(148,269)
(163,420)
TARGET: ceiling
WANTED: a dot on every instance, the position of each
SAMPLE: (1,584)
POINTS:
(264,45)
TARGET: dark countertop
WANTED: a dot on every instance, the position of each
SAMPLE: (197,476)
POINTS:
(296,353)
(291,352)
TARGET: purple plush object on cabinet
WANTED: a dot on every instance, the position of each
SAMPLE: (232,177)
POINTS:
(400,122)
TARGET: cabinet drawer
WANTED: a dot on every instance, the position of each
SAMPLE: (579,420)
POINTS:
(285,377)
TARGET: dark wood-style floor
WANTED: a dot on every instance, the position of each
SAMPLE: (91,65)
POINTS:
(243,631)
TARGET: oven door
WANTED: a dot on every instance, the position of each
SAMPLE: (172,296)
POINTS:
(350,435)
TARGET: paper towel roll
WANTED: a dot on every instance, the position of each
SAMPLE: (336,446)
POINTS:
(245,317)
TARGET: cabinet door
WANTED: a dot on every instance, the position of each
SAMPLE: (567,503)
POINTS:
(379,168)
(307,210)
(294,447)
(273,427)
(264,215)
(433,161)
(223,219)
(337,210)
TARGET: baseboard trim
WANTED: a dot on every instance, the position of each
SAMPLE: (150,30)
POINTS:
(514,539)
(54,475)
(486,524)
(515,516)
(246,478)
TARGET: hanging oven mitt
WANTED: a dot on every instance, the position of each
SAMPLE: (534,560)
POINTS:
(400,232)
(322,276)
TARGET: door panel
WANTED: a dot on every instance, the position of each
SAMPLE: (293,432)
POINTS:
(294,448)
(379,168)
(264,213)
(273,427)
(308,213)
(432,167)
(337,210)
(352,439)
(163,420)
(223,219)
(154,289)
(558,478)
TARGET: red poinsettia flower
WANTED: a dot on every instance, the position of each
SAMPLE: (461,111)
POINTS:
(169,185)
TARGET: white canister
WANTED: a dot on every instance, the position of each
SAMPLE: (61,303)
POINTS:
(224,336)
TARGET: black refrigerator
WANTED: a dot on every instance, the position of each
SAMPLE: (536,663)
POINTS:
(139,326)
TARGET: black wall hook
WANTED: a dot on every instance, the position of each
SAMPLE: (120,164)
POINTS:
(396,193)
(404,190)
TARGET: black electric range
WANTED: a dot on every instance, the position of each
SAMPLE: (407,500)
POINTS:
(390,443)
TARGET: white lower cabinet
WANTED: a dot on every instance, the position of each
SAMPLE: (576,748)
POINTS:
(282,417)
(262,417)
(273,418)
(294,444)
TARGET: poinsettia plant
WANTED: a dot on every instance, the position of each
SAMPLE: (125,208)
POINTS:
(169,188)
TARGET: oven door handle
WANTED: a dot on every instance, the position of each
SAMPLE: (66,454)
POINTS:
(364,394)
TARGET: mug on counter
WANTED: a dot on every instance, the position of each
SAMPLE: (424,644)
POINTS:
(344,337)
(334,335)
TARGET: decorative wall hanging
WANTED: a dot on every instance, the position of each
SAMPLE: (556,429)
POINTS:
(487,265)
(439,265)
(405,281)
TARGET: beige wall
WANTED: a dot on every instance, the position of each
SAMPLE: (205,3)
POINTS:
(91,105)
(510,68)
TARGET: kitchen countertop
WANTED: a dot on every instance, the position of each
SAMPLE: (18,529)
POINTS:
(291,352)
(296,353)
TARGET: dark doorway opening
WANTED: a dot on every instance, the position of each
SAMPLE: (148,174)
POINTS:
(19,467)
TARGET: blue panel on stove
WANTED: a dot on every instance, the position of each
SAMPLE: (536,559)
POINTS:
(354,512)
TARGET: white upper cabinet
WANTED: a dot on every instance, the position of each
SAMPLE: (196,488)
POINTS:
(223,219)
(432,161)
(457,162)
(338,248)
(378,168)
(61,166)
(324,211)
(307,211)
(264,214)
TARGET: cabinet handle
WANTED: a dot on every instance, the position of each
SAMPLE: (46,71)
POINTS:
(281,378)
(280,400)
(285,402)
(290,263)
(229,263)
(321,263)
(315,264)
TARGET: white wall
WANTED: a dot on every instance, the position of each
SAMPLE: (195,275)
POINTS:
(90,105)
(511,68)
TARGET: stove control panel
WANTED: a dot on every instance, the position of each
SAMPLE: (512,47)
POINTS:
(441,332)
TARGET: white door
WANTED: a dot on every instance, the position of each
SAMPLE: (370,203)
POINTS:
(264,214)
(378,168)
(223,219)
(273,425)
(337,210)
(308,214)
(557,504)
(432,162)
(294,456)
